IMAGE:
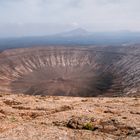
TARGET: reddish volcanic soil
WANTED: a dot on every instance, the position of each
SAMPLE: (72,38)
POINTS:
(25,117)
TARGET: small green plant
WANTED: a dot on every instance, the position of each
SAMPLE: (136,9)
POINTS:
(89,126)
(13,119)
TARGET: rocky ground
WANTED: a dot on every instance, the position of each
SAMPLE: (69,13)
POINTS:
(24,117)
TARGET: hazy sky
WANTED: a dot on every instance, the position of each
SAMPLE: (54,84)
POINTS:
(40,17)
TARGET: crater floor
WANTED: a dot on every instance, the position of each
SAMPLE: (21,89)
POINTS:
(71,71)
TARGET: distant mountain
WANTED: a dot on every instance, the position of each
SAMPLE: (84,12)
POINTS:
(77,36)
(75,32)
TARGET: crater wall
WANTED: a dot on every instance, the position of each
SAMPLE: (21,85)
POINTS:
(67,71)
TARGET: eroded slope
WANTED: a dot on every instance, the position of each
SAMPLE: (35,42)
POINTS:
(87,71)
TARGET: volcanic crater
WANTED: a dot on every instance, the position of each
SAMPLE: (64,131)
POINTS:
(71,71)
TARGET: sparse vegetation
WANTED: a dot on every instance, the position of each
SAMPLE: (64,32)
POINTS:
(89,126)
(12,119)
(69,117)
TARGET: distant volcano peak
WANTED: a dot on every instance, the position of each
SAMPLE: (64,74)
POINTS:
(80,30)
(76,32)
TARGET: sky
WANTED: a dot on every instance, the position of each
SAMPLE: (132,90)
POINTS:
(44,17)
